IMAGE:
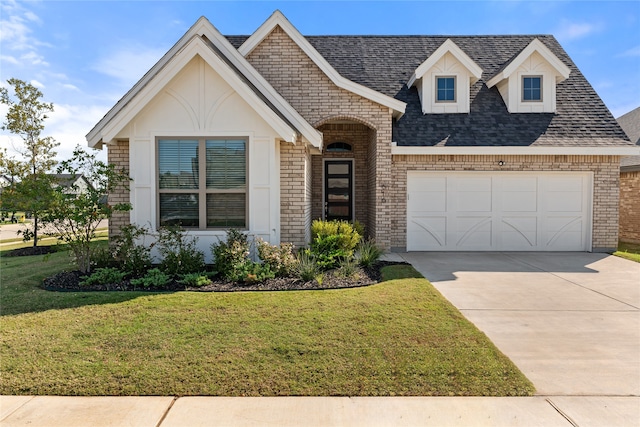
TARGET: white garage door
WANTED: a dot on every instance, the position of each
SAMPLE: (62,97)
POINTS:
(506,211)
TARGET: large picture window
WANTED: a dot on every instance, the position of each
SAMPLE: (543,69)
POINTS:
(202,183)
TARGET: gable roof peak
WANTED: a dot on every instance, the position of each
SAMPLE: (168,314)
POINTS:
(448,46)
(535,46)
(278,19)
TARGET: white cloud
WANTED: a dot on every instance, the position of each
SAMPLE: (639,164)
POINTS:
(34,58)
(633,52)
(37,84)
(128,64)
(67,124)
(573,30)
(9,59)
(70,87)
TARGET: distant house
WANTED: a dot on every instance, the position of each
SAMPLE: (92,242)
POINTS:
(454,143)
(630,181)
(72,184)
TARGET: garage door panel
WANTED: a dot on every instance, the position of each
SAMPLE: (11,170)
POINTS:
(468,201)
(473,232)
(499,211)
(565,201)
(427,232)
(519,232)
(428,201)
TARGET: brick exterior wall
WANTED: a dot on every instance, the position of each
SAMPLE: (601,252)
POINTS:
(118,154)
(293,193)
(319,101)
(605,191)
(630,207)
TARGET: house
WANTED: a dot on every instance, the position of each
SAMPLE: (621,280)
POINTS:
(71,183)
(432,142)
(630,182)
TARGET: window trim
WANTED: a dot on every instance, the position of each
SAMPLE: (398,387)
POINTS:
(528,76)
(202,189)
(455,90)
(339,147)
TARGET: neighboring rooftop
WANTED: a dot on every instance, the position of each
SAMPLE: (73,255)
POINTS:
(630,123)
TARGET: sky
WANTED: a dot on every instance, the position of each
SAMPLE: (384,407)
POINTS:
(85,55)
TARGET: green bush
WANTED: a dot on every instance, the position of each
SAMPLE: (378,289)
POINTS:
(306,267)
(280,259)
(231,257)
(179,252)
(104,276)
(368,253)
(348,269)
(131,257)
(155,278)
(195,280)
(255,272)
(332,241)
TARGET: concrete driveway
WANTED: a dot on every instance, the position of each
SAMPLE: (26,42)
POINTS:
(569,321)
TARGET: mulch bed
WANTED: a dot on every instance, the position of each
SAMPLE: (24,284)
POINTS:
(38,250)
(70,282)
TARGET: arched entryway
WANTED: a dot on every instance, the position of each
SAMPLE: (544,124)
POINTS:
(343,174)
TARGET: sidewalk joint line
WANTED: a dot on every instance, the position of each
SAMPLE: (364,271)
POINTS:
(164,416)
(567,417)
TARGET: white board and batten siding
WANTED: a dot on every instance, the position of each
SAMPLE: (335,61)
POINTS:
(199,103)
(499,211)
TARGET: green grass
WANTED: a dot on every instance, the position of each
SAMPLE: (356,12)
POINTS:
(400,337)
(629,251)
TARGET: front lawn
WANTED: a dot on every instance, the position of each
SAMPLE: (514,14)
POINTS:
(629,251)
(399,337)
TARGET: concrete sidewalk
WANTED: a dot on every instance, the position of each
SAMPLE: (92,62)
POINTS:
(52,411)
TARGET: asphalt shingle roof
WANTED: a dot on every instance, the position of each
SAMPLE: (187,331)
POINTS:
(630,123)
(385,64)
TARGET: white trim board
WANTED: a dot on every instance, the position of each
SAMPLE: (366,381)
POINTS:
(510,150)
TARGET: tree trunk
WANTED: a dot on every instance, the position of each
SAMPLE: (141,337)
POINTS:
(35,230)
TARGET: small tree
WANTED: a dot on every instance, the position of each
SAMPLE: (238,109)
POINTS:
(75,215)
(25,118)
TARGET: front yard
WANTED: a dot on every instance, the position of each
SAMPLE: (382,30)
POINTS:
(399,337)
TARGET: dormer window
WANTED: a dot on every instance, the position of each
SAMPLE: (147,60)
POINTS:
(527,82)
(531,88)
(446,91)
(444,80)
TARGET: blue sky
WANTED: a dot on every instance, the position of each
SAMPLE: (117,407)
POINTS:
(84,55)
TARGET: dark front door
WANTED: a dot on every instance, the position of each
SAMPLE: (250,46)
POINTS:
(338,190)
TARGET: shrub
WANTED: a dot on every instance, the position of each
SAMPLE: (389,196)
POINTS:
(155,278)
(348,269)
(104,276)
(195,280)
(102,258)
(280,259)
(368,253)
(179,252)
(232,256)
(255,272)
(332,241)
(131,257)
(306,266)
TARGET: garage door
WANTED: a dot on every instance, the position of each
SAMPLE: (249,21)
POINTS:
(507,211)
